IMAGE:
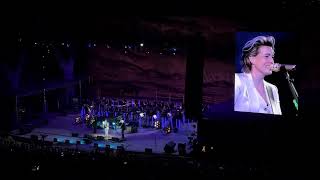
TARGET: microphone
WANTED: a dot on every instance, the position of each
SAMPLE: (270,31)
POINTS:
(277,67)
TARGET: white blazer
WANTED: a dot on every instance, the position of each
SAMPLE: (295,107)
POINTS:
(247,98)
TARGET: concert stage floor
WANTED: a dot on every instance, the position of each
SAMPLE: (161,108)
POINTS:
(62,127)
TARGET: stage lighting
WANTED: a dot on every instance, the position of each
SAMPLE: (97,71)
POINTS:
(169,114)
(168,130)
(154,116)
(141,114)
(157,124)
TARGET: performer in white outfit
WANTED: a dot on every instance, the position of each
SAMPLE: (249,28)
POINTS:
(252,92)
(106,129)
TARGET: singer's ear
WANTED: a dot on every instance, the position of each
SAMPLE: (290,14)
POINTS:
(251,59)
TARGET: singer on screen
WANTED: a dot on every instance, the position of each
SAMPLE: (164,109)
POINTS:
(252,92)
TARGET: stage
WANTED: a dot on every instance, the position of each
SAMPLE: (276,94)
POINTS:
(62,128)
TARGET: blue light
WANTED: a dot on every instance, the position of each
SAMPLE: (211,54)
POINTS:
(101,145)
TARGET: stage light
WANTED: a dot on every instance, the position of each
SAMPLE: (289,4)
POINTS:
(62,44)
(141,44)
(169,114)
(154,116)
(168,130)
(141,114)
(157,124)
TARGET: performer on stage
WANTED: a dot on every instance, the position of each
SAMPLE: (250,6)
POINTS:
(106,129)
(123,128)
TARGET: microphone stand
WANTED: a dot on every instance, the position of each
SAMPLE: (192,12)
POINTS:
(292,89)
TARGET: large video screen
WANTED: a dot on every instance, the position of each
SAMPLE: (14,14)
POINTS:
(252,72)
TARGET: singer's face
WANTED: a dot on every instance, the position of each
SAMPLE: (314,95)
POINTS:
(263,62)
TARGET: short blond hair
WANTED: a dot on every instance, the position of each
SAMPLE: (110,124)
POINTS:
(251,48)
